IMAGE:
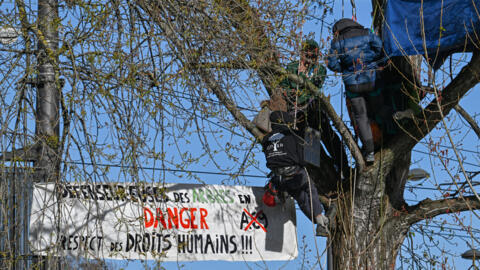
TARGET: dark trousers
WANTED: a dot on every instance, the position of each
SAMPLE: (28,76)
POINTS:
(367,106)
(359,111)
(299,188)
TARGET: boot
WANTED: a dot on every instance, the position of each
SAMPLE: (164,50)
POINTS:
(370,157)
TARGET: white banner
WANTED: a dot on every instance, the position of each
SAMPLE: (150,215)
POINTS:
(172,222)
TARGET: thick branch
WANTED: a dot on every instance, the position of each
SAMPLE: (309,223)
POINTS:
(468,77)
(427,209)
(417,129)
(229,104)
(469,119)
(344,131)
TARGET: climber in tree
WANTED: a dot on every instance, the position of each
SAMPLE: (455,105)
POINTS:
(354,52)
(284,153)
(302,103)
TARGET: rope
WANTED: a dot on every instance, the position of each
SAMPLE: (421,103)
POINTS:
(298,74)
(341,117)
(311,215)
(354,10)
(372,28)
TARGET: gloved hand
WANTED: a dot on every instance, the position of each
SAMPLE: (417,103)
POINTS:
(322,225)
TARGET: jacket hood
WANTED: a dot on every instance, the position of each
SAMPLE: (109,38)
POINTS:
(344,24)
(280,120)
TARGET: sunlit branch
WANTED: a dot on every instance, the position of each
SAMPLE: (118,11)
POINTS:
(469,119)
(428,209)
(229,104)
(468,77)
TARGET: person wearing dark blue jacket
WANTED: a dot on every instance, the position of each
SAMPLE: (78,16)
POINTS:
(354,52)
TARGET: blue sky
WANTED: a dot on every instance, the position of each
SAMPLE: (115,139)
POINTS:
(310,245)
(421,158)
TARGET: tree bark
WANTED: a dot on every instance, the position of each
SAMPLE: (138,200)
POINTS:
(368,231)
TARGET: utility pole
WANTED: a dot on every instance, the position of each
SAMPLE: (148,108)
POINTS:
(44,153)
(47,165)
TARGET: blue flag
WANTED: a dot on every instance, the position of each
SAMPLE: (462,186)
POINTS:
(436,27)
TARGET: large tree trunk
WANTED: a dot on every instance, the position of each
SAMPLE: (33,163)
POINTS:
(375,247)
(368,228)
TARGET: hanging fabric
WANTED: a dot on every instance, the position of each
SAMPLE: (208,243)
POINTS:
(433,28)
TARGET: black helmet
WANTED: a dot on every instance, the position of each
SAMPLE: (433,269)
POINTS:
(344,24)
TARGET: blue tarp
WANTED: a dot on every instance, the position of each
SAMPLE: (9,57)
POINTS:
(448,25)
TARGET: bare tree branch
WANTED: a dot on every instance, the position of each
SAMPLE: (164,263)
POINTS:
(230,105)
(248,25)
(469,119)
(468,77)
(344,131)
(427,209)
